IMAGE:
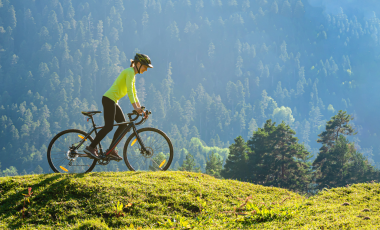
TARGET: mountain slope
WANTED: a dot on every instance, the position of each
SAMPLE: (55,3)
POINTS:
(180,200)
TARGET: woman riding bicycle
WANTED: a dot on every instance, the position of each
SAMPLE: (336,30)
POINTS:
(123,85)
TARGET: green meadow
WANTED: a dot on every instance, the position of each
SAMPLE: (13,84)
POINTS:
(179,200)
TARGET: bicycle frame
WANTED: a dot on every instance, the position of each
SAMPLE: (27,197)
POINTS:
(113,145)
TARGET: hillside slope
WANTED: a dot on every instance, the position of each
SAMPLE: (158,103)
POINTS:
(178,199)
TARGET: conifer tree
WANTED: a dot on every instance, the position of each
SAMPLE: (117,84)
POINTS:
(299,10)
(274,7)
(167,86)
(12,17)
(189,164)
(277,159)
(236,163)
(286,9)
(100,30)
(343,165)
(337,156)
(214,165)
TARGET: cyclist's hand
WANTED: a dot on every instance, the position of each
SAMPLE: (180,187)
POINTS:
(140,111)
(146,115)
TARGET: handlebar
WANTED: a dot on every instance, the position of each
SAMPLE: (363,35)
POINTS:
(134,112)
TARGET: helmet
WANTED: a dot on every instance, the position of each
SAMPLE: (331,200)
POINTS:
(143,59)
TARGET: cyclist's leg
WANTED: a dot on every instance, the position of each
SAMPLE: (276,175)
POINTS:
(119,117)
(109,109)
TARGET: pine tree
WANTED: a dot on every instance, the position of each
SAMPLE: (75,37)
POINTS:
(119,6)
(211,50)
(299,10)
(194,132)
(286,9)
(214,165)
(277,159)
(167,86)
(12,17)
(337,154)
(100,30)
(236,163)
(274,7)
(141,92)
(70,10)
(189,164)
(343,165)
(336,126)
(38,170)
(105,52)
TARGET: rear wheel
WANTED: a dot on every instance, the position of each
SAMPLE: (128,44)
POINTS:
(159,154)
(63,156)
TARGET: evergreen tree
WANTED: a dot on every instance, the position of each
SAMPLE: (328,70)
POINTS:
(214,165)
(167,86)
(38,170)
(336,126)
(286,9)
(100,30)
(12,17)
(299,10)
(338,163)
(274,7)
(236,163)
(189,164)
(278,159)
(343,165)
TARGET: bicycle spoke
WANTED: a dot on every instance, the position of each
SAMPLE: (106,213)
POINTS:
(59,162)
(63,158)
(154,141)
(60,152)
(159,151)
(143,158)
(155,163)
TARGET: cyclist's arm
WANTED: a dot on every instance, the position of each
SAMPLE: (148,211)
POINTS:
(132,94)
(136,106)
(131,90)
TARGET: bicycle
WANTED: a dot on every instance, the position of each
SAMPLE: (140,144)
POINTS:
(150,146)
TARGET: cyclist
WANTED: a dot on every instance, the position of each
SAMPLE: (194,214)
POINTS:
(123,85)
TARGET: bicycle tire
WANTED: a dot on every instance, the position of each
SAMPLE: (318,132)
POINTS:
(169,150)
(91,162)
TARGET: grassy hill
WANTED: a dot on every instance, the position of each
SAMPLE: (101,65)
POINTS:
(179,200)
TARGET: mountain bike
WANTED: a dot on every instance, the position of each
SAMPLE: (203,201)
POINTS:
(146,149)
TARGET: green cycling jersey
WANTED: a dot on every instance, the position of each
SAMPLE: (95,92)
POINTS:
(123,85)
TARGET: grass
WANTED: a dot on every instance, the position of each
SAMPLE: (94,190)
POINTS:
(180,200)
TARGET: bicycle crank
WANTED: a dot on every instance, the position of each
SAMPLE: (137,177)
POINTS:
(104,161)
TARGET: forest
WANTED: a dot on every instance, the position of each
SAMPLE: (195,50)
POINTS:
(228,76)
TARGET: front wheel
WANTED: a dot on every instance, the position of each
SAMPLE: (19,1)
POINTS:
(159,154)
(64,155)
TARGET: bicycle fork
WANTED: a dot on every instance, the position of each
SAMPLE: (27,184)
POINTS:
(139,139)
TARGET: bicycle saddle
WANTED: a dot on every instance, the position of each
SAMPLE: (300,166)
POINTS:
(90,113)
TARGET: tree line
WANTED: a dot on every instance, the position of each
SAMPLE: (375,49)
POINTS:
(273,156)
